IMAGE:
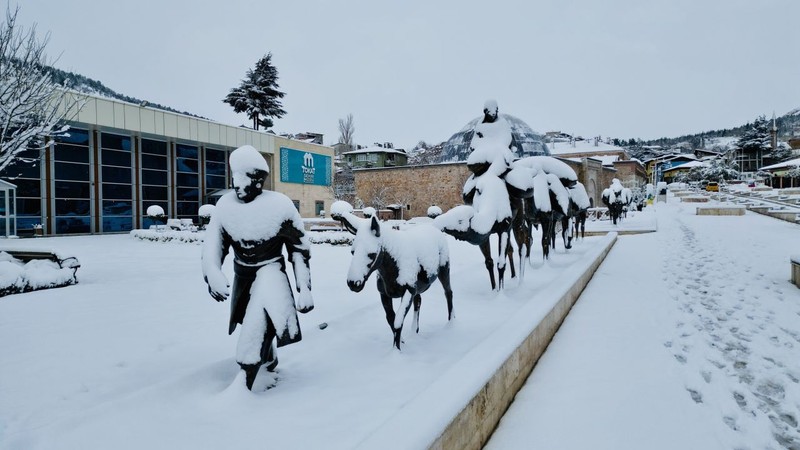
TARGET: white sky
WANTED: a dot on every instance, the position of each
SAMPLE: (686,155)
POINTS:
(415,70)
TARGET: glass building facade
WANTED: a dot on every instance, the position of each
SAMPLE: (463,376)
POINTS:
(103,182)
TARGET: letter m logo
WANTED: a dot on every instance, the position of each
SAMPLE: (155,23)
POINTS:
(308,160)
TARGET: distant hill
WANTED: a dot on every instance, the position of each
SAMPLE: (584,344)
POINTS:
(717,140)
(86,85)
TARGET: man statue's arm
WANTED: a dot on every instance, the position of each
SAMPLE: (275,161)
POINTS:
(299,249)
(215,248)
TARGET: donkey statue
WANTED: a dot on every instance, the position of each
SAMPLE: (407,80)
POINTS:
(408,262)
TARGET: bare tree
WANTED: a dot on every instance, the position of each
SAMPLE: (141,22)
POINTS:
(31,105)
(346,131)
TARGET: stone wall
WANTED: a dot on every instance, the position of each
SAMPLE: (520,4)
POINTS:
(419,187)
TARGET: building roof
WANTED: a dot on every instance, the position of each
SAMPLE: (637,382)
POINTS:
(376,150)
(587,146)
(685,166)
(783,165)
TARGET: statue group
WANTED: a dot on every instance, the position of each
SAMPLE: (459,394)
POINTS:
(504,197)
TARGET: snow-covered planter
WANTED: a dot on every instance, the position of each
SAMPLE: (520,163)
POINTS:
(156,214)
(204,213)
(434,211)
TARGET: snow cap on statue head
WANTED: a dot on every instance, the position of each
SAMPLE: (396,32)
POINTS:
(490,107)
(246,159)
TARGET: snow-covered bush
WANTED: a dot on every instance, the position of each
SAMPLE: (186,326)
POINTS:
(434,211)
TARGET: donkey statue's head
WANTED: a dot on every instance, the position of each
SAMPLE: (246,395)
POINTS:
(367,254)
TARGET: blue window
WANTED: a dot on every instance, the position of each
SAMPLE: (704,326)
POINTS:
(28,188)
(71,171)
(213,168)
(186,165)
(27,223)
(116,191)
(66,189)
(75,136)
(154,162)
(116,142)
(116,174)
(112,223)
(187,209)
(117,208)
(115,158)
(154,193)
(187,179)
(71,153)
(215,155)
(186,151)
(29,207)
(187,194)
(154,147)
(72,207)
(214,183)
(156,177)
(70,225)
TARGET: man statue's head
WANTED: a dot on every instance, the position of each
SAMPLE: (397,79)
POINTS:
(249,171)
(489,111)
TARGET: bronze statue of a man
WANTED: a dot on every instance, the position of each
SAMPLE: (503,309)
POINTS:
(258,225)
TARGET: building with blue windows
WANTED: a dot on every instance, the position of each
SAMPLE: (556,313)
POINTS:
(119,158)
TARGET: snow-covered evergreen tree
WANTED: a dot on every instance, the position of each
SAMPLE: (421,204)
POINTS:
(258,95)
(757,137)
(32,106)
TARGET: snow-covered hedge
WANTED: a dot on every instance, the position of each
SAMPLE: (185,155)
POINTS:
(17,276)
(188,237)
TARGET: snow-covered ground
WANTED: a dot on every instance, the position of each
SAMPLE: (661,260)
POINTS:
(685,338)
(137,355)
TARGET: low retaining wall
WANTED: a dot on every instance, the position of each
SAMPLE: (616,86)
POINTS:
(487,397)
(694,199)
(795,260)
(720,210)
(787,216)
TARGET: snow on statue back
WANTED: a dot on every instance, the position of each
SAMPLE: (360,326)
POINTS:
(615,199)
(407,262)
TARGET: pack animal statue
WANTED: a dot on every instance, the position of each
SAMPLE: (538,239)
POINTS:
(541,182)
(407,263)
(485,191)
(615,198)
(578,206)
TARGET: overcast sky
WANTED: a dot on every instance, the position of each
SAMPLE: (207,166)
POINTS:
(420,69)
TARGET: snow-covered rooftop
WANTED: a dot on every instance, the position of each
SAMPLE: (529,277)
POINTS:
(787,164)
(375,149)
(685,166)
(587,146)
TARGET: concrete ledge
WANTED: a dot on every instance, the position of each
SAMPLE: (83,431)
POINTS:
(789,216)
(720,210)
(795,260)
(695,199)
(486,396)
(759,209)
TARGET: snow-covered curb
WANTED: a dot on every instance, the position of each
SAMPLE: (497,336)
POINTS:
(479,391)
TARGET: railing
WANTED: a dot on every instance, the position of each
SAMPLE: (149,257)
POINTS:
(599,213)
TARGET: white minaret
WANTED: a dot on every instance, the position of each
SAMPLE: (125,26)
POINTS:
(774,133)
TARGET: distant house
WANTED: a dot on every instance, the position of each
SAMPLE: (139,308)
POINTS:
(376,156)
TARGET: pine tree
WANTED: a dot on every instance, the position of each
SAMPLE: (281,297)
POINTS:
(258,95)
(756,137)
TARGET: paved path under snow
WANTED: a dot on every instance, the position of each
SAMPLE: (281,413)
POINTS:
(685,338)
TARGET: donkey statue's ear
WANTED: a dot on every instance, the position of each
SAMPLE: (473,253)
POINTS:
(343,212)
(376,227)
